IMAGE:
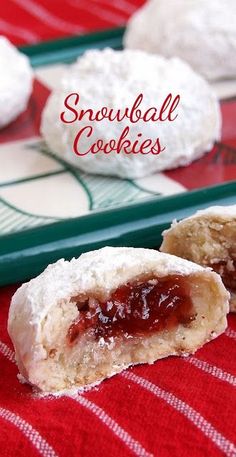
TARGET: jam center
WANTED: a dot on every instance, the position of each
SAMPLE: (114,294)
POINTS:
(137,308)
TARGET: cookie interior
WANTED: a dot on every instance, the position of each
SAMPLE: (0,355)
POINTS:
(94,335)
(208,241)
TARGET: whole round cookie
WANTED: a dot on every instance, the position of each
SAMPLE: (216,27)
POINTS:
(202,32)
(114,79)
(15,82)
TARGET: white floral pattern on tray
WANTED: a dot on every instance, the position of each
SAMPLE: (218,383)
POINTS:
(37,188)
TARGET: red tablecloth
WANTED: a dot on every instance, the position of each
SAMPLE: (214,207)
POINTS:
(174,408)
(31,21)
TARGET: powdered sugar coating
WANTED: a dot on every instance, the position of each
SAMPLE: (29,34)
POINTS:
(201,32)
(221,212)
(15,82)
(104,269)
(114,79)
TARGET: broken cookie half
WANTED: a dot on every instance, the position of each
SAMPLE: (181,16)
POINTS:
(209,239)
(82,321)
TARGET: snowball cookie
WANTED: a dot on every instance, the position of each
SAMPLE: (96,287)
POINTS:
(209,239)
(15,82)
(114,79)
(82,321)
(202,32)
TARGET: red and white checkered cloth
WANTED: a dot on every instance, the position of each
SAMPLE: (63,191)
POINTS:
(175,408)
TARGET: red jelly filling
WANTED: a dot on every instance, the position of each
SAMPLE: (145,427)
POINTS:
(137,309)
(227,271)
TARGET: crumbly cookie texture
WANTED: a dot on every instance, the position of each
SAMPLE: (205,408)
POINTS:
(209,239)
(114,79)
(16,78)
(198,31)
(43,310)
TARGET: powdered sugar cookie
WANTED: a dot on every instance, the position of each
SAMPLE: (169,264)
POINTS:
(209,239)
(113,80)
(15,82)
(201,32)
(82,321)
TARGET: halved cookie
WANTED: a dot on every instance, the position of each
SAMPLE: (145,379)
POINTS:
(84,320)
(209,239)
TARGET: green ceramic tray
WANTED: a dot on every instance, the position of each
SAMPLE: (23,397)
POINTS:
(27,253)
(67,49)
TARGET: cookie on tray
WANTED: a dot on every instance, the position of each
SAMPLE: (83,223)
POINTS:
(201,32)
(111,81)
(16,79)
